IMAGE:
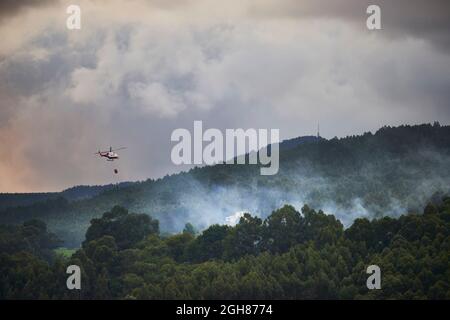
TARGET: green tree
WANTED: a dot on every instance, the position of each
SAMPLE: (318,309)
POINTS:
(126,228)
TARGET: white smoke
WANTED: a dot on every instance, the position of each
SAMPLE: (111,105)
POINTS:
(234,218)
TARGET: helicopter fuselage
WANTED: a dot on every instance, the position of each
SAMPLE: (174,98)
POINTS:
(110,156)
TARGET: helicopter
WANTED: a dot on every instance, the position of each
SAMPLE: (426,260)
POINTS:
(110,155)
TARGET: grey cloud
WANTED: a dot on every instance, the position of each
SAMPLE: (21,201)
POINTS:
(9,8)
(132,84)
(426,19)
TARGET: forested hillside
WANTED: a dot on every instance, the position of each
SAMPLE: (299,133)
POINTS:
(8,200)
(288,255)
(388,173)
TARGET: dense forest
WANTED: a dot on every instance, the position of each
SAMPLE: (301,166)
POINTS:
(391,172)
(288,255)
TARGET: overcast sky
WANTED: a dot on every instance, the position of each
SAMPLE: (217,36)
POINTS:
(139,69)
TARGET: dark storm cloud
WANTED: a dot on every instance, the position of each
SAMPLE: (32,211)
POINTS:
(426,19)
(9,8)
